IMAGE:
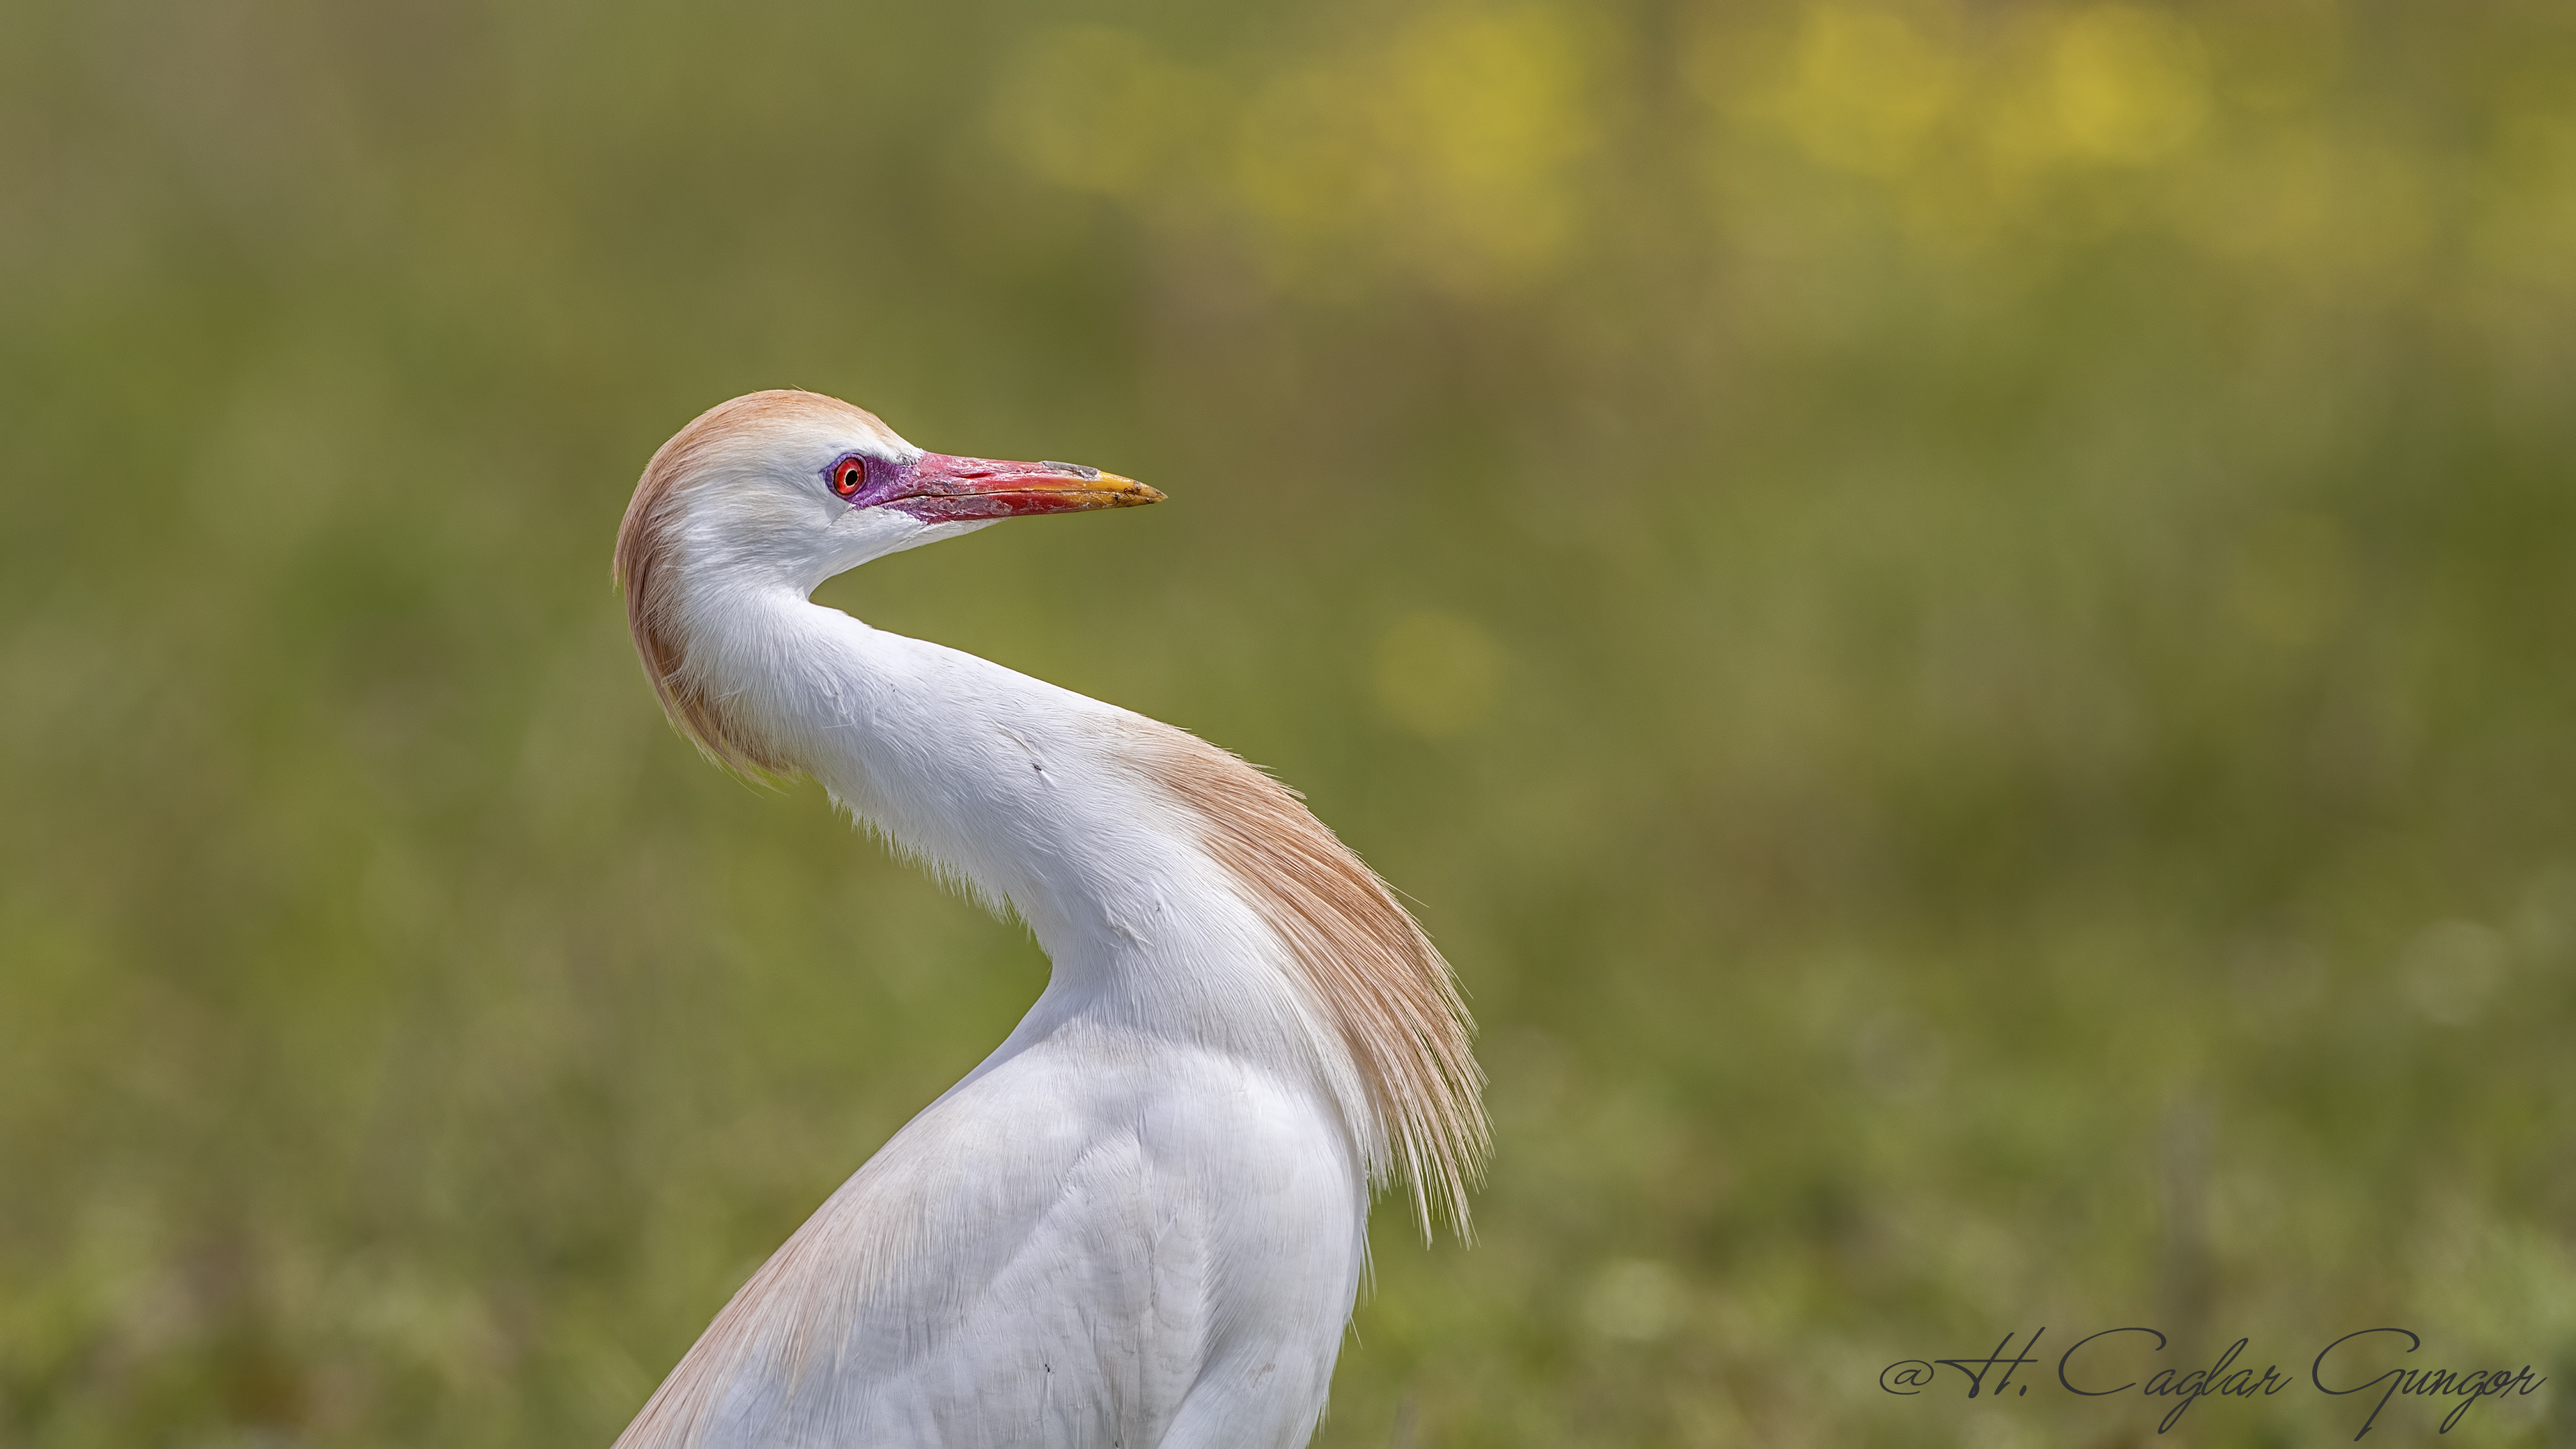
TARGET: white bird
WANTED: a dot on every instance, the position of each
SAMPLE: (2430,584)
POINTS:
(1142,1220)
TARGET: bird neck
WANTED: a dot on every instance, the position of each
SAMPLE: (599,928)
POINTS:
(1180,894)
(1029,798)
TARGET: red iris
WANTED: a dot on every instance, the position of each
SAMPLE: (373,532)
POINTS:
(848,477)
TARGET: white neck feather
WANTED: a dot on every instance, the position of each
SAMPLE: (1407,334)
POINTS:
(1180,893)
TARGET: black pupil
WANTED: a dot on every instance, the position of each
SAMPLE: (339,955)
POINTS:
(850,479)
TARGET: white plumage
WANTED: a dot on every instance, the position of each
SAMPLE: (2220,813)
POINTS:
(1141,1221)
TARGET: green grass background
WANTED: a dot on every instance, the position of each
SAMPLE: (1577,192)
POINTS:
(1959,615)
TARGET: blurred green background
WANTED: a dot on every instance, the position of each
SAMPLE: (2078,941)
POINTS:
(1959,615)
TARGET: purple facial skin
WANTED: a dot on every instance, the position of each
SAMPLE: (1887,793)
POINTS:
(938,488)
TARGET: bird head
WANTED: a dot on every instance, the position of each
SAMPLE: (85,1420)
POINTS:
(798,486)
(789,488)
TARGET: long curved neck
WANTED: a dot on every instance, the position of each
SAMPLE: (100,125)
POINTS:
(1179,892)
(1029,797)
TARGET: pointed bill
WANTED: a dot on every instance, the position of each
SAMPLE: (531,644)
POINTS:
(938,488)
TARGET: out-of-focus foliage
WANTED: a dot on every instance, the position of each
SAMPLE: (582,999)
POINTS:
(1959,614)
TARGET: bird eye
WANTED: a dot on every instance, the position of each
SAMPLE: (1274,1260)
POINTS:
(848,476)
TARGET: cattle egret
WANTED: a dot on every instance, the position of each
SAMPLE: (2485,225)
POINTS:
(1142,1220)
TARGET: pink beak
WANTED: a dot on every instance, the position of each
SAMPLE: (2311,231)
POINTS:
(937,488)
